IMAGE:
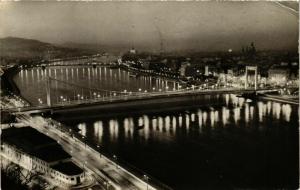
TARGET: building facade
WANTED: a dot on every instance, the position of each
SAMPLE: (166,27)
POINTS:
(48,159)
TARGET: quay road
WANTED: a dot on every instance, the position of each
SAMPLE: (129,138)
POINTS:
(127,97)
(108,174)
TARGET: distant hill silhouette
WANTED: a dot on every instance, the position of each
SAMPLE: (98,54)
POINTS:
(13,42)
(13,47)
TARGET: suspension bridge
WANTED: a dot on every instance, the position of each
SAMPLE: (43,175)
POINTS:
(76,95)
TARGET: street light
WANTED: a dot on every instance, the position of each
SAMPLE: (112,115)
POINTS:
(84,164)
(107,184)
(83,138)
(146,178)
(99,150)
(115,158)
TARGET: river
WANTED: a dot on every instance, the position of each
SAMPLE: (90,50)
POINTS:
(214,141)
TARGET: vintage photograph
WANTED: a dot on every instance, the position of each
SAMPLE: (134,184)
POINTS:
(149,95)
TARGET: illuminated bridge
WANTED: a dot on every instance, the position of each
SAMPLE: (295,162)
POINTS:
(103,97)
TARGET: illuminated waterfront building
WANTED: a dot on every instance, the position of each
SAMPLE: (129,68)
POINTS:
(37,152)
(278,75)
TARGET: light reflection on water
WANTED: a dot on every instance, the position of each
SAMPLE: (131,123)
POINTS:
(247,110)
(204,117)
(180,121)
(210,136)
(98,130)
(167,125)
(237,114)
(32,85)
(174,124)
(276,109)
(113,129)
(225,115)
(146,127)
(243,114)
(286,111)
(160,124)
(82,128)
(187,122)
(212,118)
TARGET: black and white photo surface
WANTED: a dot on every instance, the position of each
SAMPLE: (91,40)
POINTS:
(149,95)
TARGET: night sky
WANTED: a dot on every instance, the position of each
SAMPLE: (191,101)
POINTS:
(201,26)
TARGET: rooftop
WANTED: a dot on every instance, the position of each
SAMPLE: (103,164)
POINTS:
(34,143)
(51,153)
(26,138)
(68,168)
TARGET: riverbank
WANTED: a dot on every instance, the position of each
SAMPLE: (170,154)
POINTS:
(280,99)
(151,73)
(7,83)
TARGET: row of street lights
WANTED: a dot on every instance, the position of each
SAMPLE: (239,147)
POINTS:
(107,183)
(115,158)
(80,97)
(40,101)
(95,95)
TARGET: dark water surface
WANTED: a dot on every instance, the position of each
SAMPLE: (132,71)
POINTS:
(232,144)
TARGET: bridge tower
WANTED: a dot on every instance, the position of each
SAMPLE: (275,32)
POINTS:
(48,82)
(206,72)
(251,68)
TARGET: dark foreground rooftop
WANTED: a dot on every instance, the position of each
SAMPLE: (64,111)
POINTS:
(34,143)
(51,153)
(26,138)
(68,168)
